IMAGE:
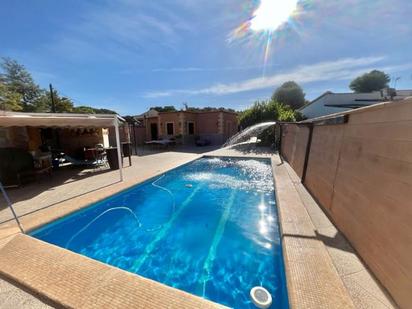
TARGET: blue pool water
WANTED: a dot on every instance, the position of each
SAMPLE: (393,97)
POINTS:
(209,227)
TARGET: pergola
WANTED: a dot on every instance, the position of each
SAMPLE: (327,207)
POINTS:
(63,120)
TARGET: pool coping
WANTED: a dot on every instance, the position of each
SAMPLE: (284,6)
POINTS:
(311,277)
(312,280)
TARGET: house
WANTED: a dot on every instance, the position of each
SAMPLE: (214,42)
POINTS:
(215,126)
(330,103)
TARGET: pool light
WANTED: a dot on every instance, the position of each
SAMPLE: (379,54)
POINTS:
(260,297)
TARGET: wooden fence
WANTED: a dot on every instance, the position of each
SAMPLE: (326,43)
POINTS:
(359,169)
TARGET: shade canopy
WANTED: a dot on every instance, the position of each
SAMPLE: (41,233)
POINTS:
(54,120)
(47,120)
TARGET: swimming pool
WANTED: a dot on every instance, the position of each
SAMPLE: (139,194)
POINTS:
(209,227)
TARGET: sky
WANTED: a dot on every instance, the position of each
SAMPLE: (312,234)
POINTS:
(131,55)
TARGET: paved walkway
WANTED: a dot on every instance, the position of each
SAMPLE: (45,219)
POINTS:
(12,297)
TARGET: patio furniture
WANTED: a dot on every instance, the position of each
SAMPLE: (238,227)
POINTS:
(101,155)
(97,155)
(112,158)
(77,162)
(17,166)
(202,142)
(127,151)
(42,161)
(164,143)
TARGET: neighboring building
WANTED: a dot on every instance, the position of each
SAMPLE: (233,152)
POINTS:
(214,126)
(330,103)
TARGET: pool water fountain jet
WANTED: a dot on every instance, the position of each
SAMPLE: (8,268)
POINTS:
(245,136)
(139,224)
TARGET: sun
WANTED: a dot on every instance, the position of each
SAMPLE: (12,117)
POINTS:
(266,25)
(271,14)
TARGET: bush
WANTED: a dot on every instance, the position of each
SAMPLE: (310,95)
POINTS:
(270,110)
(263,111)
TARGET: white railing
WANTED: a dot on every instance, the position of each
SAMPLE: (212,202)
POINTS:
(6,197)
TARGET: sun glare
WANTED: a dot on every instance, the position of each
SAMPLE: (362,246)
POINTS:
(265,26)
(271,14)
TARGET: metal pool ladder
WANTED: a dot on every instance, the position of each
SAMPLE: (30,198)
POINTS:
(6,197)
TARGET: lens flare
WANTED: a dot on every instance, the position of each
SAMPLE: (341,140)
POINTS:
(266,24)
(271,14)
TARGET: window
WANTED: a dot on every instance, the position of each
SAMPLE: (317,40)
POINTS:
(190,128)
(170,128)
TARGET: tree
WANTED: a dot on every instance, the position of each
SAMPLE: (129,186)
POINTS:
(63,105)
(83,110)
(103,111)
(130,119)
(291,94)
(20,81)
(267,111)
(373,81)
(210,109)
(19,92)
(270,110)
(9,101)
(168,108)
(43,103)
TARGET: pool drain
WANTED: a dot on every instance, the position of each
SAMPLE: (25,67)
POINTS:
(260,297)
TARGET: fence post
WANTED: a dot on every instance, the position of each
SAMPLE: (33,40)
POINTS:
(280,140)
(307,153)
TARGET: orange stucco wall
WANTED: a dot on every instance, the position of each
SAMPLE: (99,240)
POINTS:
(138,136)
(208,123)
(165,118)
(215,126)
(230,124)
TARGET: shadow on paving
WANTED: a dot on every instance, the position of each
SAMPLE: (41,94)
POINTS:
(58,202)
(44,183)
(338,241)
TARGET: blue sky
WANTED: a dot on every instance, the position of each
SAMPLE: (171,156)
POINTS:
(129,55)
